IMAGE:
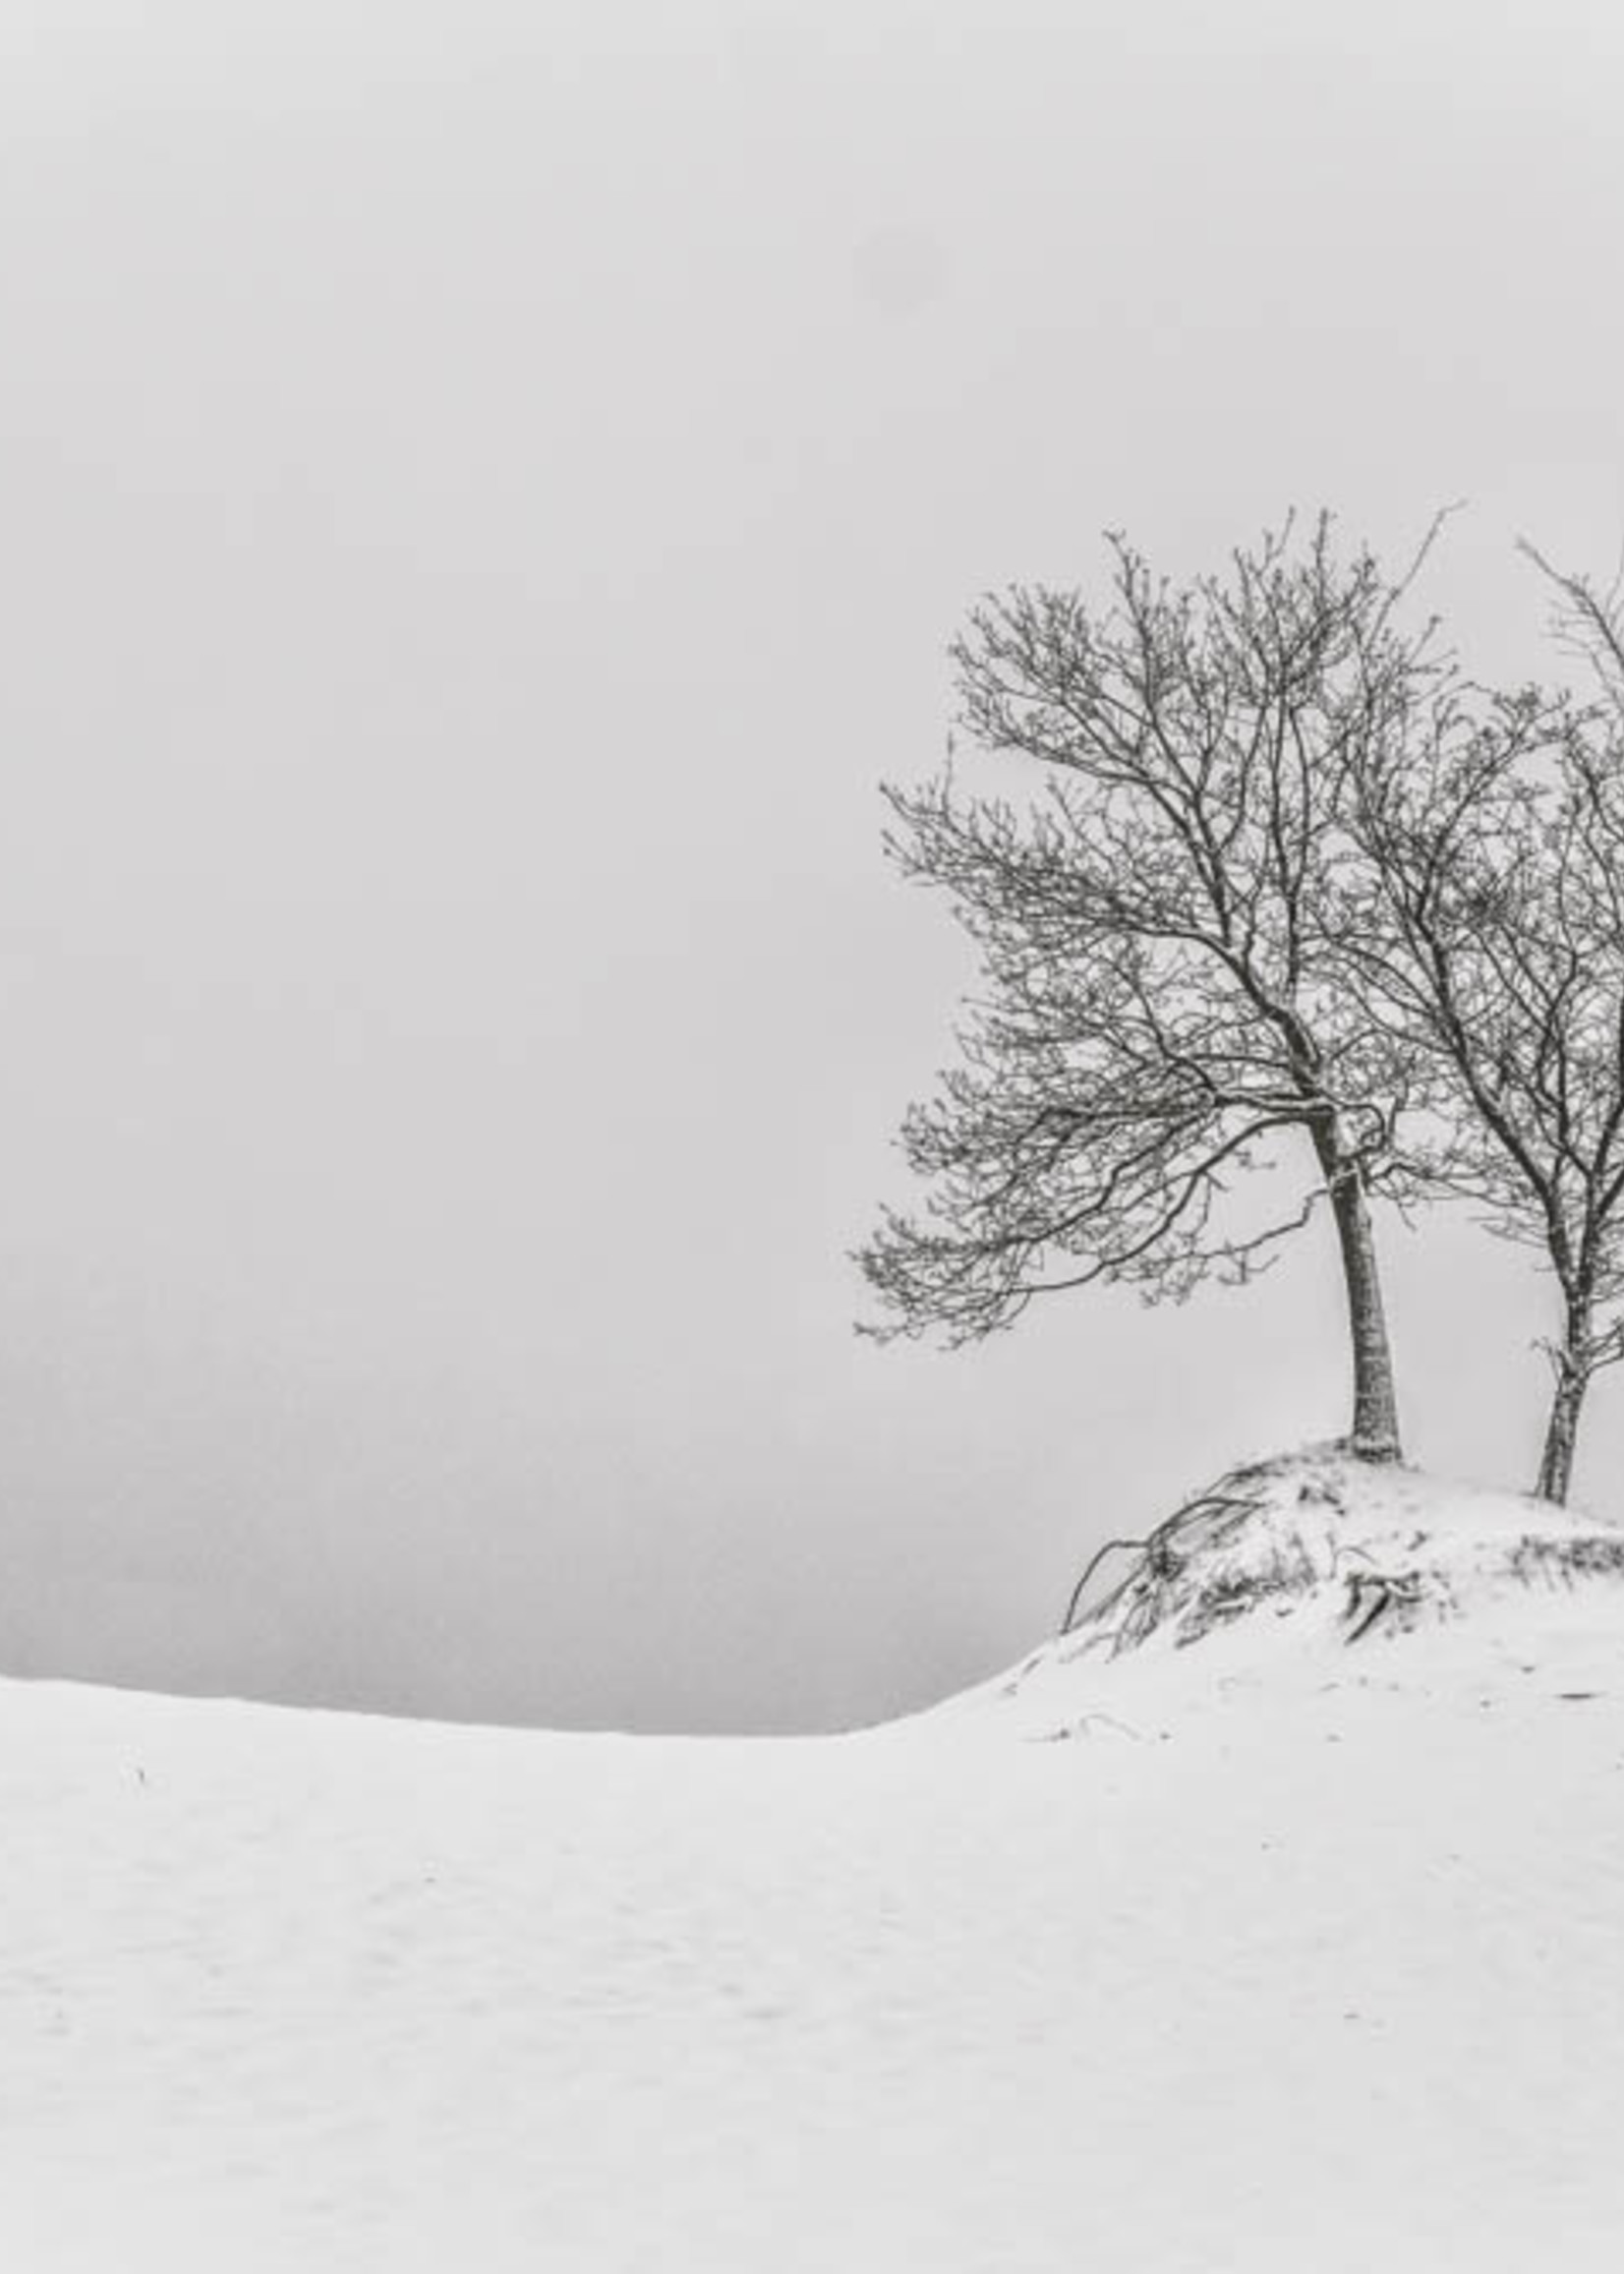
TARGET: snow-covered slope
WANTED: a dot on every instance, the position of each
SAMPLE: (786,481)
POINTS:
(1300,1951)
(1280,1569)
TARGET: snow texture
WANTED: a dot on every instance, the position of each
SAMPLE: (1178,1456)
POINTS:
(1270,1919)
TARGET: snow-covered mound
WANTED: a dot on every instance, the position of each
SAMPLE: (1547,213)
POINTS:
(1310,1555)
(1304,1955)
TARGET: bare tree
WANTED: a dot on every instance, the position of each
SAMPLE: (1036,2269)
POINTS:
(1162,1002)
(1498,950)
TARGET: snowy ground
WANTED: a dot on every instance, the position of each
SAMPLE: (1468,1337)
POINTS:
(1275,1951)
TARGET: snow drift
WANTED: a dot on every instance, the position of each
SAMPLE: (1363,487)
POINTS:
(1269,1919)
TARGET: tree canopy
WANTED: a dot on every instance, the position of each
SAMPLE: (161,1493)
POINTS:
(1273,884)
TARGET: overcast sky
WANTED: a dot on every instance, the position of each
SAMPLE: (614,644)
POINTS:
(487,492)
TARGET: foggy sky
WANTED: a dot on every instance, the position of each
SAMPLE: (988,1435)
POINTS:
(487,492)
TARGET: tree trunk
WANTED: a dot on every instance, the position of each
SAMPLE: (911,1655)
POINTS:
(1573,1380)
(1374,1435)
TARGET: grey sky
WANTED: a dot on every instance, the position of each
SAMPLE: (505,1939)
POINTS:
(487,491)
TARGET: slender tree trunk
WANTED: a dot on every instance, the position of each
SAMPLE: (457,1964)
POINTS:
(1573,1380)
(1374,1435)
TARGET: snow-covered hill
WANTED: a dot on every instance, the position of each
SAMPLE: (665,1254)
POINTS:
(1280,1569)
(1271,1919)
